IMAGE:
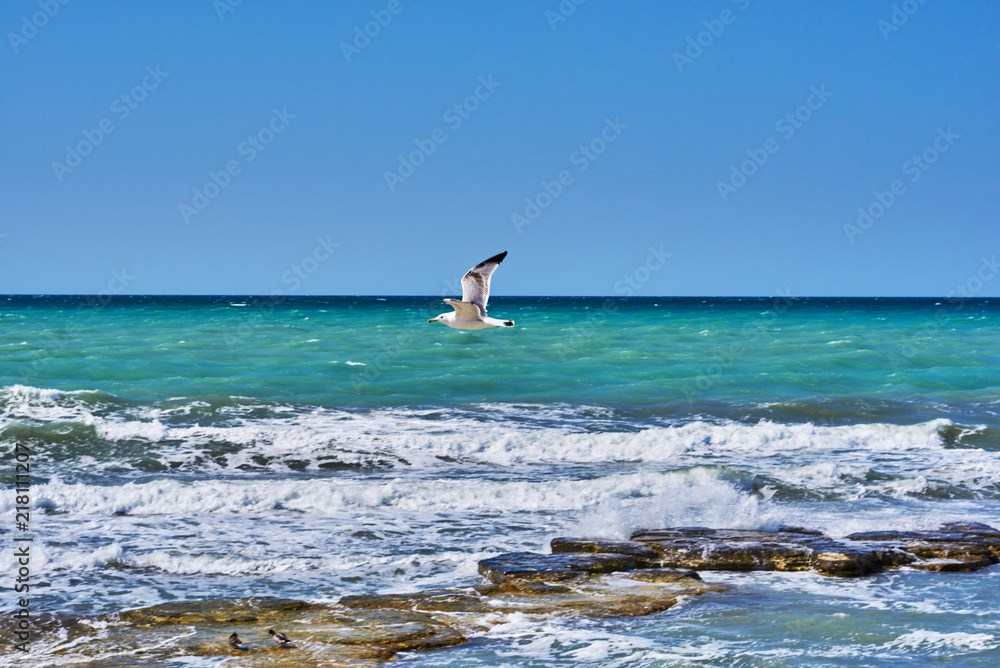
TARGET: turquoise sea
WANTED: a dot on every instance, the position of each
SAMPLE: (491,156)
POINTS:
(315,447)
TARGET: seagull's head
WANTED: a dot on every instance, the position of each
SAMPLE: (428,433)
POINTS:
(444,317)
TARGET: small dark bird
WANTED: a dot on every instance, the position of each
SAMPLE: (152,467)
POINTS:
(279,637)
(235,642)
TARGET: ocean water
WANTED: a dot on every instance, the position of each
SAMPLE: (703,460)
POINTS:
(319,447)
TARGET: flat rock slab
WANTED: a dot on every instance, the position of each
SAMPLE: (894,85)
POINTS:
(549,567)
(640,551)
(789,549)
(364,630)
(321,635)
(954,547)
(626,594)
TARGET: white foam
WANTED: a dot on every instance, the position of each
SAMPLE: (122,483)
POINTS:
(959,640)
(183,563)
(622,501)
(29,392)
(530,641)
(906,460)
(511,436)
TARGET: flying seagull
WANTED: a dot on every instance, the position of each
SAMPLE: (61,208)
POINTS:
(470,313)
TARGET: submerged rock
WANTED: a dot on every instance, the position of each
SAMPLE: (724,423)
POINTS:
(626,594)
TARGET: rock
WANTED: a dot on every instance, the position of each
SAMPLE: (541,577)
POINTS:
(847,563)
(216,610)
(432,600)
(321,635)
(533,566)
(663,574)
(398,630)
(953,547)
(584,576)
(628,594)
(642,552)
(731,550)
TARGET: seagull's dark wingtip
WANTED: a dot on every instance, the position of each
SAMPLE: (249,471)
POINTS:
(498,258)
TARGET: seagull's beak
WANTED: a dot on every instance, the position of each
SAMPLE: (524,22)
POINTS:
(432,320)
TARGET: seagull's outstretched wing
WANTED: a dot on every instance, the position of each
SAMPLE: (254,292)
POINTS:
(465,310)
(476,282)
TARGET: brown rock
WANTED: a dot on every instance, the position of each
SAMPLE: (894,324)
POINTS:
(953,547)
(849,563)
(642,552)
(663,575)
(534,566)
(730,550)
(399,630)
(436,600)
(639,592)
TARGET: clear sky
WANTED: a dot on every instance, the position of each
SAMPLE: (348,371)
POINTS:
(653,148)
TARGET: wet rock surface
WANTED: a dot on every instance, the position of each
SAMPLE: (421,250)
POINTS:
(953,547)
(367,630)
(583,576)
(626,594)
(533,566)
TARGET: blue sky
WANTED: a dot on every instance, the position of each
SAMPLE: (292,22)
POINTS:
(651,148)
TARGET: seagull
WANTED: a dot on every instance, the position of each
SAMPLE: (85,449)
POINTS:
(470,313)
(235,642)
(279,637)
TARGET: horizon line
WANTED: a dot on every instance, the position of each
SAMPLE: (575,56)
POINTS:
(105,296)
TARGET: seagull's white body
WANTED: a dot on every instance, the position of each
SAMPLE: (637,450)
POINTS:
(470,313)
